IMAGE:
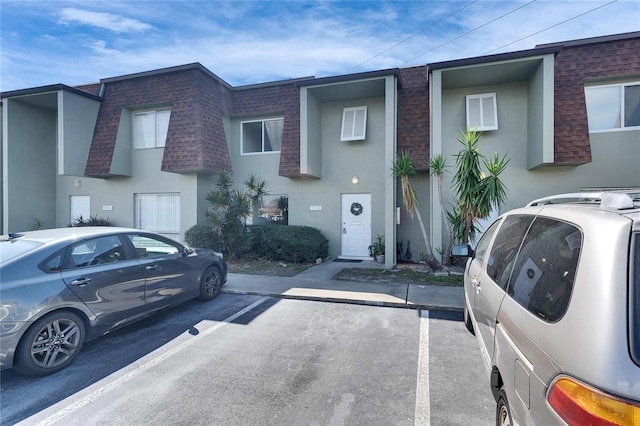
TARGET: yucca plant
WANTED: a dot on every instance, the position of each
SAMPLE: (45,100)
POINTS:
(477,192)
(437,167)
(403,169)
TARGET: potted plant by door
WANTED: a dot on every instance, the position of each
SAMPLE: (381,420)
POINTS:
(378,248)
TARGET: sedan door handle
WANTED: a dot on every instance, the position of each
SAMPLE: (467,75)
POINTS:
(152,268)
(81,282)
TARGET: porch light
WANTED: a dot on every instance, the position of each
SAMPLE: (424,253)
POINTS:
(355,180)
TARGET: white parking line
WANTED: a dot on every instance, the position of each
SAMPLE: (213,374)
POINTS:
(66,407)
(423,404)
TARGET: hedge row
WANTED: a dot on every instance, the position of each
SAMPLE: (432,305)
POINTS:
(293,244)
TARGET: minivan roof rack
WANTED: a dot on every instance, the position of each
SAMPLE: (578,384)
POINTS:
(614,200)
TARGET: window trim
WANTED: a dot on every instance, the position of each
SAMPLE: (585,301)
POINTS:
(352,136)
(481,97)
(621,86)
(155,111)
(261,120)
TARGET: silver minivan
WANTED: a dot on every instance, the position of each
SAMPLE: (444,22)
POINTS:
(552,293)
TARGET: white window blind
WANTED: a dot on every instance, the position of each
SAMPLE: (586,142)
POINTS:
(354,124)
(158,213)
(150,128)
(482,112)
(260,136)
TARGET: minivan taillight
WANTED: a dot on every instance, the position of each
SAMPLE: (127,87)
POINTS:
(579,404)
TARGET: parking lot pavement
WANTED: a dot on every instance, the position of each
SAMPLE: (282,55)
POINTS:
(269,361)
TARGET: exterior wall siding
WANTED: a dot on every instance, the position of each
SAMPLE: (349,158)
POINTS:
(574,66)
(413,116)
(277,100)
(195,130)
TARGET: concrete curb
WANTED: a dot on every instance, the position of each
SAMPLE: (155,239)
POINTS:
(354,301)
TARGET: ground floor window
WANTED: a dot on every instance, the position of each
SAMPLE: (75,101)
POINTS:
(274,209)
(158,213)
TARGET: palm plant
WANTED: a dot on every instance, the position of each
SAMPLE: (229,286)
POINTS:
(229,209)
(403,168)
(256,191)
(476,192)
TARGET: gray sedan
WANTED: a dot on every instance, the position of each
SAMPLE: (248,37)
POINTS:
(61,287)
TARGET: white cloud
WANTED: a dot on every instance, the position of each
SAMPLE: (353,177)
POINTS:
(253,42)
(104,20)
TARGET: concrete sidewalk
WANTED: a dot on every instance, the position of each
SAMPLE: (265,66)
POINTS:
(316,283)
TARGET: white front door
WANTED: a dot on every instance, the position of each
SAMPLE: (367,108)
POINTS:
(356,225)
(80,207)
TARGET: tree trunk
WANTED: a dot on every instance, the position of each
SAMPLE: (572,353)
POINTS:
(430,258)
(447,253)
(468,224)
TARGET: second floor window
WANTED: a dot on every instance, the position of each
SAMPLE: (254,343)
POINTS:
(354,124)
(482,112)
(613,107)
(261,135)
(150,128)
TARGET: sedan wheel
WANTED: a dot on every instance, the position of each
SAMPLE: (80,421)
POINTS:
(50,344)
(210,283)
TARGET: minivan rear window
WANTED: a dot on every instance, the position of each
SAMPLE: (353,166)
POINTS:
(505,247)
(544,271)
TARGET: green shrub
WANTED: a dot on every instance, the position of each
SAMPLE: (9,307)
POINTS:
(294,244)
(91,221)
(202,236)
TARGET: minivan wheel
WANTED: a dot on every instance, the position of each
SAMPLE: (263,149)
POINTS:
(50,344)
(503,414)
(210,283)
(467,320)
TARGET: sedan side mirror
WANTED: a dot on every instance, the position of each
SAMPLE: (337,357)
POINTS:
(186,251)
(462,250)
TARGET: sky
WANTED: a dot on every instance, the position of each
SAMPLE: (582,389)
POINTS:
(246,42)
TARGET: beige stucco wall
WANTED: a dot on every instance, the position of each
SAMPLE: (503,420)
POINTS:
(77,117)
(114,198)
(262,165)
(30,145)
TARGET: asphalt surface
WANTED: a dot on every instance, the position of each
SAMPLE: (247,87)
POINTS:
(317,283)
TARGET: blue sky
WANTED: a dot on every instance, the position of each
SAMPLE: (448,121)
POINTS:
(244,42)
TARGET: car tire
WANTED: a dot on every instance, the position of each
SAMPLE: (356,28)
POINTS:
(50,344)
(467,320)
(210,283)
(503,413)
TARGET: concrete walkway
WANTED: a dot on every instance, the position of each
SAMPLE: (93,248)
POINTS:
(316,283)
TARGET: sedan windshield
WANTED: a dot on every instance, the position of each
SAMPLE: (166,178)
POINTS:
(14,248)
